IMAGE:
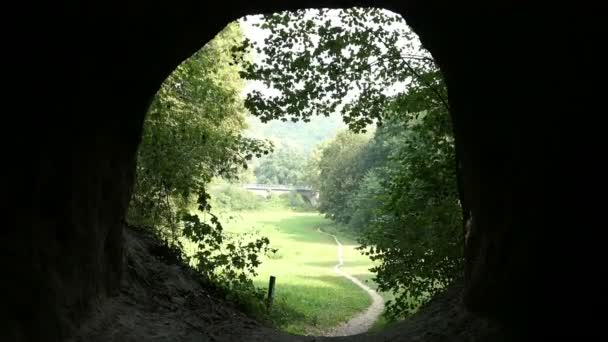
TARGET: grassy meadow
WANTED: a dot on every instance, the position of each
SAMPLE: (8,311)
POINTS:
(310,298)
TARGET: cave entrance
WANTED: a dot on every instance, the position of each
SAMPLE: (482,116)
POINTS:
(314,146)
(70,174)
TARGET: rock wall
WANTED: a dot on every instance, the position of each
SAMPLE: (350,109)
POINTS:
(86,75)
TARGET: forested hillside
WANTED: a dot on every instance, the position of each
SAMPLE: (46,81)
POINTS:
(294,146)
(303,136)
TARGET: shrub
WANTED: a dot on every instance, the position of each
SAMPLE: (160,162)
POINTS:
(231,197)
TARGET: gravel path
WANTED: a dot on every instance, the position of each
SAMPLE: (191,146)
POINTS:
(363,321)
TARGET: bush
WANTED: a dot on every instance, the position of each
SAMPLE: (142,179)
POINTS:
(297,202)
(234,198)
(227,261)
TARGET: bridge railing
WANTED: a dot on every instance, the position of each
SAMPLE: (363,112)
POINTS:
(277,187)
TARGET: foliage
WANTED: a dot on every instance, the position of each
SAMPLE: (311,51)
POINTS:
(231,262)
(417,230)
(285,166)
(302,136)
(232,197)
(399,189)
(366,201)
(312,169)
(296,201)
(324,61)
(192,133)
(339,174)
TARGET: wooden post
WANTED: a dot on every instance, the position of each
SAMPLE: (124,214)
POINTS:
(271,286)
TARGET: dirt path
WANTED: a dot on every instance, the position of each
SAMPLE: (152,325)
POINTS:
(363,321)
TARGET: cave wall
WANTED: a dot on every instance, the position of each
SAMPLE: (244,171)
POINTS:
(515,89)
(71,169)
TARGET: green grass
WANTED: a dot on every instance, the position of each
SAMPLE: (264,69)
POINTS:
(310,298)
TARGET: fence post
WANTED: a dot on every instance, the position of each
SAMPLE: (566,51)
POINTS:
(271,286)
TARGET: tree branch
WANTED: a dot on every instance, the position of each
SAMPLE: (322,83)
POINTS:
(433,89)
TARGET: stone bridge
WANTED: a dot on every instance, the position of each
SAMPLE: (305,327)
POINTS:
(309,194)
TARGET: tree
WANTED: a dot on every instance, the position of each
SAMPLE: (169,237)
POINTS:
(323,61)
(366,64)
(313,173)
(340,172)
(192,133)
(366,201)
(416,233)
(285,166)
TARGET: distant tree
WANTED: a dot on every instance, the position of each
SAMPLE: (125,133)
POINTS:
(366,202)
(340,172)
(285,166)
(312,171)
(303,136)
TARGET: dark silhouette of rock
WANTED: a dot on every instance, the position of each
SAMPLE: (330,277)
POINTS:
(527,115)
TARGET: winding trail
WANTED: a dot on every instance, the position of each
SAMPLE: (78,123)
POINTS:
(363,321)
